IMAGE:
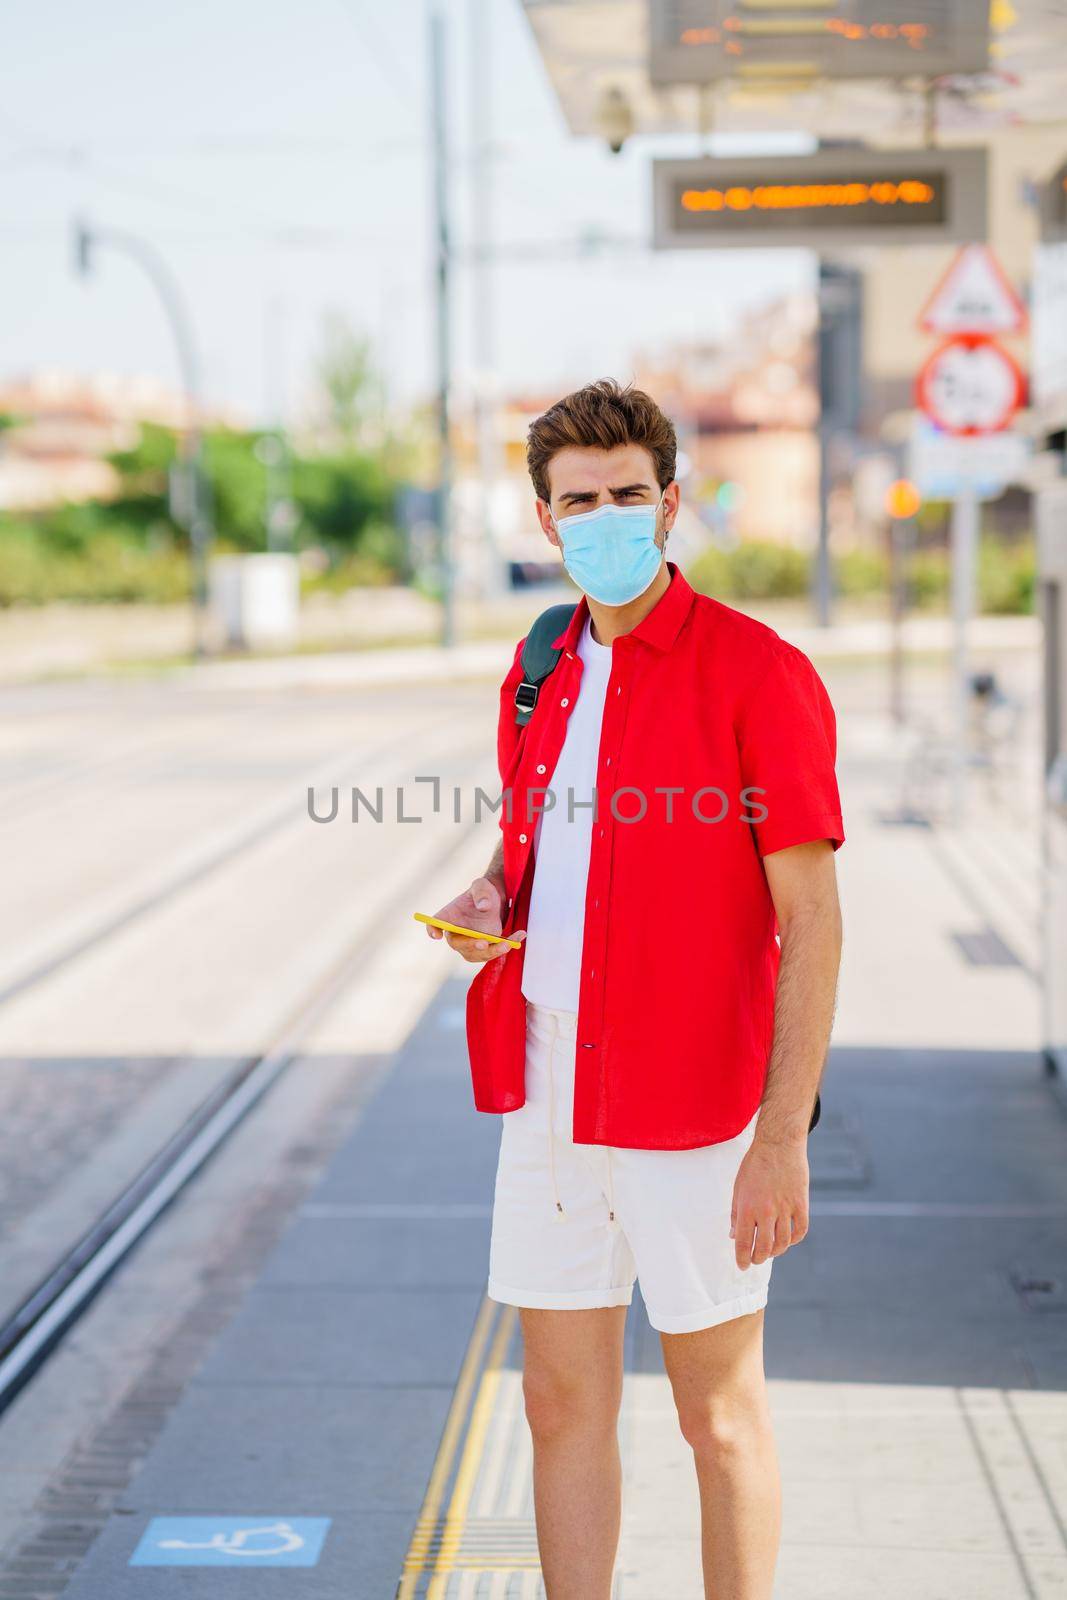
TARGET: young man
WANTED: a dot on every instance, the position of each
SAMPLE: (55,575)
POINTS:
(656,1041)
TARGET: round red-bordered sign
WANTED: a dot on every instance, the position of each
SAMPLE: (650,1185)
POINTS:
(970,385)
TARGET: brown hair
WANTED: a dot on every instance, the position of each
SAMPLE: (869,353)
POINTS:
(603,415)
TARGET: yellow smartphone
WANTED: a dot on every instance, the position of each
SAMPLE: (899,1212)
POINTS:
(468,933)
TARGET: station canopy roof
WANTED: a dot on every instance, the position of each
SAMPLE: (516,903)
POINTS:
(871,70)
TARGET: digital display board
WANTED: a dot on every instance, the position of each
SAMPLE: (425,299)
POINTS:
(699,41)
(832,197)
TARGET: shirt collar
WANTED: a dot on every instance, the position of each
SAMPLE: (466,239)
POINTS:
(660,628)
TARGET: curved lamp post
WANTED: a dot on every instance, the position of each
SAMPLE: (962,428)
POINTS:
(192,508)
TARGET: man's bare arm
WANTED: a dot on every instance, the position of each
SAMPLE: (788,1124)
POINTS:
(771,1191)
(494,873)
(803,886)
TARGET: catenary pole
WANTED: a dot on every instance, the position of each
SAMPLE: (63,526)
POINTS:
(822,594)
(482,308)
(964,541)
(442,286)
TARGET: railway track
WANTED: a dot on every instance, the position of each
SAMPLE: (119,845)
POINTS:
(34,1328)
(49,1294)
(194,871)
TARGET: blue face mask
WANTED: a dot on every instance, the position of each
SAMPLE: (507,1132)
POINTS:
(611,553)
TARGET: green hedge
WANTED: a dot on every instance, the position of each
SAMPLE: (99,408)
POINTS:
(77,557)
(128,548)
(755,570)
(34,570)
(376,563)
(760,570)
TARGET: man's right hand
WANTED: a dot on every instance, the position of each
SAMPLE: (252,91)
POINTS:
(479,907)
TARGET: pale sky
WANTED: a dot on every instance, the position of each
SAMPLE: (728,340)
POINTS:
(277,156)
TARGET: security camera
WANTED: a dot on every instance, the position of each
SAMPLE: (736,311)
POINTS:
(614,119)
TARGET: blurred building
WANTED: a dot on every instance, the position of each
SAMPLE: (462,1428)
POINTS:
(746,409)
(514,549)
(60,427)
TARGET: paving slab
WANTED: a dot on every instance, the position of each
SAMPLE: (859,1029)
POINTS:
(429,1250)
(319,1457)
(339,1336)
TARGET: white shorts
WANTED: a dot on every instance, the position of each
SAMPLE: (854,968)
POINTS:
(574,1225)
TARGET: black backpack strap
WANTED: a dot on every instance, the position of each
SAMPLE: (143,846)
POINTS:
(539,658)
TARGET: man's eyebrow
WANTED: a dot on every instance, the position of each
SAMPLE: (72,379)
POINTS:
(588,494)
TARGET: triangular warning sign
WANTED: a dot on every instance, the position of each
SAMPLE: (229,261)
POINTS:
(974,296)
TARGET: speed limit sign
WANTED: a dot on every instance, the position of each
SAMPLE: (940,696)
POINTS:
(970,385)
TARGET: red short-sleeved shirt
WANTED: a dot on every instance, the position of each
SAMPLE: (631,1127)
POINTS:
(680,958)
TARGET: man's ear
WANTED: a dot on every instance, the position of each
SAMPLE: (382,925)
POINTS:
(544,516)
(672,499)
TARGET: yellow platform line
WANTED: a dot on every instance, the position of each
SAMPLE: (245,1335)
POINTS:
(429,1514)
(470,1461)
(423,1537)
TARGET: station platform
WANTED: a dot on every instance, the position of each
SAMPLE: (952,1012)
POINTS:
(357,1429)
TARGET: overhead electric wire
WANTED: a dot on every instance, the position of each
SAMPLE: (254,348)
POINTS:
(386,57)
(212,147)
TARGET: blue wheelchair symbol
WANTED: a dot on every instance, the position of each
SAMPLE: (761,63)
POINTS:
(231,1542)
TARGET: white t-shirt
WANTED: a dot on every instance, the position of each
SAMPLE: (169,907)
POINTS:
(555,927)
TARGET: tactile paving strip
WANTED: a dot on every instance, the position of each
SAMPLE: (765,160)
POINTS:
(476,1538)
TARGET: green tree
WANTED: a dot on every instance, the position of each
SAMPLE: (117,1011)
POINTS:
(350,385)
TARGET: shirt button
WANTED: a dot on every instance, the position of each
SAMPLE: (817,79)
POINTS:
(608,762)
(564,701)
(541,768)
(522,838)
(617,691)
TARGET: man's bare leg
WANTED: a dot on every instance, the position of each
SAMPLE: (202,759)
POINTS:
(572,1387)
(721,1395)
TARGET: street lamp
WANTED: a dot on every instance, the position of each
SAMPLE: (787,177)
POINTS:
(190,503)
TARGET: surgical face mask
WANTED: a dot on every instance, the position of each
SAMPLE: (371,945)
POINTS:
(611,553)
